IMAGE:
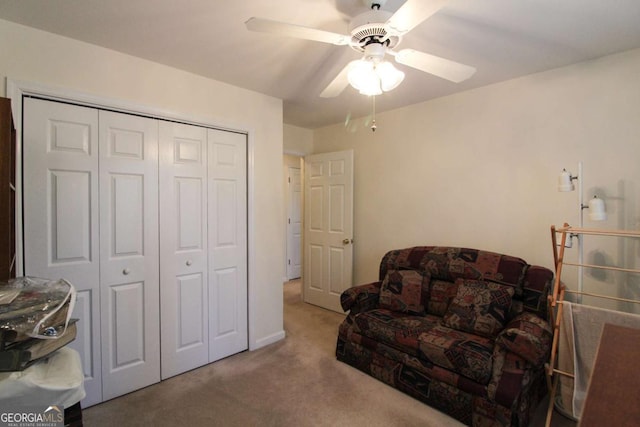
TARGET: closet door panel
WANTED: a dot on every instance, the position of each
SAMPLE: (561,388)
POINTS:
(84,341)
(183,248)
(126,302)
(191,292)
(129,252)
(61,227)
(227,243)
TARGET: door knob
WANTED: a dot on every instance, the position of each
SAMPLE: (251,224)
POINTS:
(189,262)
(126,271)
(347,241)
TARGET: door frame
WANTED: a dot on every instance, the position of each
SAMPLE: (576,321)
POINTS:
(18,89)
(287,207)
(290,207)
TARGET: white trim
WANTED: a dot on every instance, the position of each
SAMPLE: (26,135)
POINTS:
(295,153)
(16,89)
(15,93)
(273,338)
(251,248)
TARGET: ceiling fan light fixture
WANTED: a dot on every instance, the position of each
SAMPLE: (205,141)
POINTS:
(372,78)
(390,76)
(363,78)
(375,33)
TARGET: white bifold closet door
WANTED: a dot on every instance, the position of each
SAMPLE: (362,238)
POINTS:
(90,216)
(203,246)
(227,201)
(60,199)
(129,260)
(183,248)
(148,219)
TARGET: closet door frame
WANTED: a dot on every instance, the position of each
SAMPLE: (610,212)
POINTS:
(17,89)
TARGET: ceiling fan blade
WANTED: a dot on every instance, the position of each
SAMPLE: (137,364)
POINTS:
(444,68)
(413,13)
(339,83)
(297,31)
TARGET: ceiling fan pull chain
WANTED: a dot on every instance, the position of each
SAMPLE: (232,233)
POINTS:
(373,123)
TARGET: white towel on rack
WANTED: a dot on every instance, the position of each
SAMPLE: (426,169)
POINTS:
(566,351)
(587,323)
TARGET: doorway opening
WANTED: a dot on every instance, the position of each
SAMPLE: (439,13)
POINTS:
(293,215)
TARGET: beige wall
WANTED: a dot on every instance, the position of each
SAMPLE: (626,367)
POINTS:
(54,61)
(479,168)
(297,140)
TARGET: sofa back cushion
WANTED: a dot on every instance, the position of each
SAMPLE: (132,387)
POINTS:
(405,291)
(441,294)
(531,284)
(479,307)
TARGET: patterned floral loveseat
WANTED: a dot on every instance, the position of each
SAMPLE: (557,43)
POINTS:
(462,330)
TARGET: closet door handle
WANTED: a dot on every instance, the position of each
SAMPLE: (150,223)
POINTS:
(126,271)
(189,262)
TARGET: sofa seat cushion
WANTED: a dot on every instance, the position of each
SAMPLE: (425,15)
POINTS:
(461,352)
(424,337)
(398,330)
(429,369)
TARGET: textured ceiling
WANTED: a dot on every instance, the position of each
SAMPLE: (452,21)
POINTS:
(503,39)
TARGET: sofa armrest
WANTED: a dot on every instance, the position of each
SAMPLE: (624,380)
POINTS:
(361,298)
(528,336)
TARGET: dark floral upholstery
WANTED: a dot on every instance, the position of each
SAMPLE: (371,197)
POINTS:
(405,291)
(460,352)
(394,329)
(486,379)
(361,298)
(527,336)
(442,293)
(479,307)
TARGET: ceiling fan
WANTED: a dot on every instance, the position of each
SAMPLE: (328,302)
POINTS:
(375,33)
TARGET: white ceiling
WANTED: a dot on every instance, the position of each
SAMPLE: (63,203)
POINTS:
(503,39)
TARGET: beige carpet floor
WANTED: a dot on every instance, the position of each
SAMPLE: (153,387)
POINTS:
(295,382)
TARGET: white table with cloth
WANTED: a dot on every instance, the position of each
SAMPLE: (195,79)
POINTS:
(57,379)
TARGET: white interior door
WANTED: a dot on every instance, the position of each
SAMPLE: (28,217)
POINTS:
(184,309)
(294,225)
(61,227)
(328,211)
(129,282)
(227,217)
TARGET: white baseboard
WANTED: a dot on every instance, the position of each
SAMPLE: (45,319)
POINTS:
(262,342)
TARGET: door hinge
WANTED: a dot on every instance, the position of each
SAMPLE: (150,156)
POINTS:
(289,220)
(289,179)
(289,262)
